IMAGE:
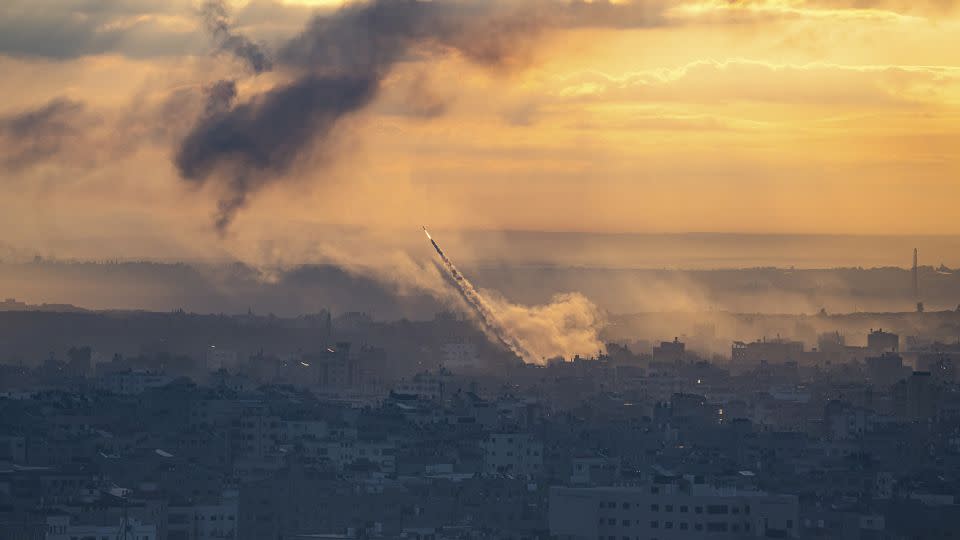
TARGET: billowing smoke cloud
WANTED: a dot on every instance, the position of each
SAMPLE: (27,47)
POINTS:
(339,63)
(217,20)
(254,143)
(220,97)
(568,325)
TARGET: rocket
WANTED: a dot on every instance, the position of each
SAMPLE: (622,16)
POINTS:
(488,319)
(432,241)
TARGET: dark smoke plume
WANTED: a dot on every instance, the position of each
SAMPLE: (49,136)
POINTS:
(34,136)
(340,61)
(256,141)
(216,17)
(220,97)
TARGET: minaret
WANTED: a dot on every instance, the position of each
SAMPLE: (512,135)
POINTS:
(916,282)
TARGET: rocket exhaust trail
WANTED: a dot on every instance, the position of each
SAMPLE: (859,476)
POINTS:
(487,318)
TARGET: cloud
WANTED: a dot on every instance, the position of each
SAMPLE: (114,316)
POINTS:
(217,21)
(754,81)
(73,28)
(39,134)
(746,11)
(341,61)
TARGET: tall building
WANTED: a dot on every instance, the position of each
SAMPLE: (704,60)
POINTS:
(886,369)
(513,454)
(669,351)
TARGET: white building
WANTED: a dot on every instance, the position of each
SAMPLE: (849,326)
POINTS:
(670,512)
(514,454)
(61,527)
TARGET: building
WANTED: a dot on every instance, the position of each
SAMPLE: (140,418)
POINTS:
(133,382)
(672,510)
(879,341)
(460,356)
(427,386)
(670,351)
(62,527)
(342,454)
(777,351)
(886,369)
(512,454)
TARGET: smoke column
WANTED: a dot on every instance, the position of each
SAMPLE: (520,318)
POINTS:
(489,321)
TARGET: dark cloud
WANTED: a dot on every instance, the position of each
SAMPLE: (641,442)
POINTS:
(341,60)
(64,29)
(220,97)
(37,135)
(257,141)
(336,66)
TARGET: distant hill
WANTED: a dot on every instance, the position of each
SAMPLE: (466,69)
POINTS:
(236,288)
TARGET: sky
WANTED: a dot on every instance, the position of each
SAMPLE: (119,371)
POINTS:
(179,128)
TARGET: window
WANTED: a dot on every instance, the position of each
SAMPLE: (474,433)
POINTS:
(611,521)
(626,506)
(789,523)
(684,509)
(717,526)
(654,507)
(669,508)
(698,526)
(684,525)
(654,490)
(667,524)
(717,509)
(654,524)
(698,509)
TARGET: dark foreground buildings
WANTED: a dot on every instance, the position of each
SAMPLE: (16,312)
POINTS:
(422,431)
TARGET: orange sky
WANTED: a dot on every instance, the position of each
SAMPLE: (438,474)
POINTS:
(827,116)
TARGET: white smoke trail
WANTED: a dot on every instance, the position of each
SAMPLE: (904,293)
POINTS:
(483,310)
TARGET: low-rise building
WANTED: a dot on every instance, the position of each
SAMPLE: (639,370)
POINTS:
(677,510)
